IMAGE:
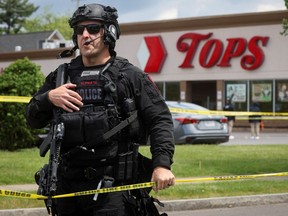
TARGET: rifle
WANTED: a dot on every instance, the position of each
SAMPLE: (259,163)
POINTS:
(47,176)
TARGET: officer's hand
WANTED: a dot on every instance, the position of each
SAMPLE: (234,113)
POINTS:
(66,98)
(163,177)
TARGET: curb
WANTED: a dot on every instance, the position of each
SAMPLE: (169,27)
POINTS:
(184,205)
(225,202)
(24,212)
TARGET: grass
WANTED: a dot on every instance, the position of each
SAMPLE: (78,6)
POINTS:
(207,160)
(13,203)
(19,167)
(190,161)
(216,160)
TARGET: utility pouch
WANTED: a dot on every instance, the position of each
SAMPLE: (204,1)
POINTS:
(73,123)
(129,108)
(127,164)
(124,166)
(85,126)
(95,125)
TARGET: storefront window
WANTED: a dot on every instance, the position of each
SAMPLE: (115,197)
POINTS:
(236,91)
(258,91)
(169,90)
(281,96)
(160,86)
(262,92)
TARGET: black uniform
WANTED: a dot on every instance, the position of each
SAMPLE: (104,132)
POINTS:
(229,107)
(255,118)
(102,159)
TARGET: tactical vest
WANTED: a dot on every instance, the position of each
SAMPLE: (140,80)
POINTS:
(107,103)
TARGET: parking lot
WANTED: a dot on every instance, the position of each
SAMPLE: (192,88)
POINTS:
(266,138)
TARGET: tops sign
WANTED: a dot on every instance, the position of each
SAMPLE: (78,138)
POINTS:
(214,53)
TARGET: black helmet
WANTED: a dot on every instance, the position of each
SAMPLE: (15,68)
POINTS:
(106,14)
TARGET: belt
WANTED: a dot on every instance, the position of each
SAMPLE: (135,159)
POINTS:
(93,173)
(88,173)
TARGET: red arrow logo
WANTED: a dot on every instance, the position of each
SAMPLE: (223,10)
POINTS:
(152,54)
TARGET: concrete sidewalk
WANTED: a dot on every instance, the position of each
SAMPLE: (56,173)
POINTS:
(20,187)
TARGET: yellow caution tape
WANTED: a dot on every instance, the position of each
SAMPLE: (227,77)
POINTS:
(235,177)
(109,190)
(227,113)
(26,99)
(9,193)
(14,99)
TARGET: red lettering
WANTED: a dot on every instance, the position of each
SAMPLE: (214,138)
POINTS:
(206,52)
(212,51)
(257,59)
(235,48)
(190,49)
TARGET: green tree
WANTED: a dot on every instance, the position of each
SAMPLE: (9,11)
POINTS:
(13,14)
(48,21)
(21,78)
(285,22)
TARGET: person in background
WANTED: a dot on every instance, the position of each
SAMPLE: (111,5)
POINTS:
(231,119)
(254,121)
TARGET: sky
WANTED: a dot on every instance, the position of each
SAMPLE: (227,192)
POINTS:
(150,10)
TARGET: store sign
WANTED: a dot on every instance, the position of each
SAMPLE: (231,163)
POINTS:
(213,52)
(152,54)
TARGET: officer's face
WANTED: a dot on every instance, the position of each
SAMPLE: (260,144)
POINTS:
(90,40)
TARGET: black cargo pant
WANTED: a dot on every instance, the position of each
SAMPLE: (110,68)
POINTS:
(107,204)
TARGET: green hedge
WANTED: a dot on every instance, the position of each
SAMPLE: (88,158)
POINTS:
(21,78)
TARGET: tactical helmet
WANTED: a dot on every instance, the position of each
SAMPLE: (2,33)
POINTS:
(105,14)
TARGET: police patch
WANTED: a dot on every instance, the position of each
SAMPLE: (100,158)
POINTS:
(90,88)
(90,73)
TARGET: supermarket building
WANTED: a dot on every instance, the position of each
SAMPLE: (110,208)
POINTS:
(203,60)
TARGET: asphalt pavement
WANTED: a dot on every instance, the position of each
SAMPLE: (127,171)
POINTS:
(240,138)
(266,138)
(278,209)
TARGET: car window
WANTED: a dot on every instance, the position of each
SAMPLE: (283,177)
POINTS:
(184,105)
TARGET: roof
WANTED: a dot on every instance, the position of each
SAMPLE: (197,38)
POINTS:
(205,22)
(29,41)
(223,21)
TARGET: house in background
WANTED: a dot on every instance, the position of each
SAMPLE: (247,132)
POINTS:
(33,41)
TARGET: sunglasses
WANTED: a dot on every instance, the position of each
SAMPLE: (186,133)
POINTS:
(91,28)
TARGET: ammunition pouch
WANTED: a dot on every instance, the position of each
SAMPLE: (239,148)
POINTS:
(127,164)
(85,127)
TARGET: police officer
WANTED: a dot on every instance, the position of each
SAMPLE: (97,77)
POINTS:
(102,90)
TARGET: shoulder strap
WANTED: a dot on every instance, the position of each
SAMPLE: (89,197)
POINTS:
(61,75)
(114,130)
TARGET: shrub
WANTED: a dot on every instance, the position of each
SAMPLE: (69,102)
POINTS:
(21,78)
